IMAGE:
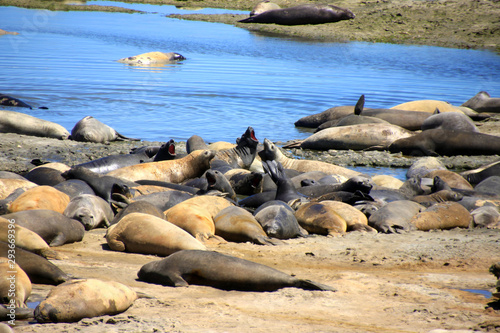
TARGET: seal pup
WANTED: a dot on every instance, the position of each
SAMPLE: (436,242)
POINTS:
(220,271)
(89,129)
(92,211)
(20,123)
(483,102)
(278,220)
(148,234)
(302,14)
(86,298)
(152,58)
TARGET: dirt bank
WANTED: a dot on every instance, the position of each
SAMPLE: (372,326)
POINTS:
(447,23)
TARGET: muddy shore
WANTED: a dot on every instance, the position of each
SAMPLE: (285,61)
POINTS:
(447,23)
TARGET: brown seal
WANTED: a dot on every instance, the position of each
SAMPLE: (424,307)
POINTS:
(148,234)
(196,215)
(321,218)
(12,275)
(445,215)
(175,171)
(40,197)
(88,298)
(236,224)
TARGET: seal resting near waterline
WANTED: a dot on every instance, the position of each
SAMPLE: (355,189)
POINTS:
(449,120)
(302,14)
(89,129)
(77,299)
(356,137)
(175,171)
(152,58)
(220,271)
(483,102)
(20,123)
(435,142)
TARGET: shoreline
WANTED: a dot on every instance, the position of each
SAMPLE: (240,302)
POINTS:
(442,23)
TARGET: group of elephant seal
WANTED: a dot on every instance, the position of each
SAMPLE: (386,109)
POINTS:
(302,14)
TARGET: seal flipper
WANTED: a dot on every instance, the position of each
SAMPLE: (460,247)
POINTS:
(311,285)
(120,137)
(360,104)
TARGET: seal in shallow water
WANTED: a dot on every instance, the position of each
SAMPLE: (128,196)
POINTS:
(220,271)
(152,58)
(302,14)
(437,141)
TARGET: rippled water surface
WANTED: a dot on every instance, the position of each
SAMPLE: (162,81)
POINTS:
(232,78)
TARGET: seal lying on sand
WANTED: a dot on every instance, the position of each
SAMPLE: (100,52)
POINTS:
(220,271)
(483,102)
(20,123)
(78,299)
(90,129)
(302,14)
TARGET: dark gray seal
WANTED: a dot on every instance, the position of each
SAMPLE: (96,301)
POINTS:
(435,142)
(395,216)
(101,184)
(141,155)
(302,14)
(7,100)
(477,175)
(90,129)
(243,155)
(220,271)
(38,269)
(55,228)
(278,220)
(483,102)
(449,120)
(45,176)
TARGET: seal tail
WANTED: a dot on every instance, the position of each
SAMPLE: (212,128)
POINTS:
(247,20)
(120,137)
(311,285)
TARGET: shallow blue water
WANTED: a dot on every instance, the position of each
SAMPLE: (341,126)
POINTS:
(232,78)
